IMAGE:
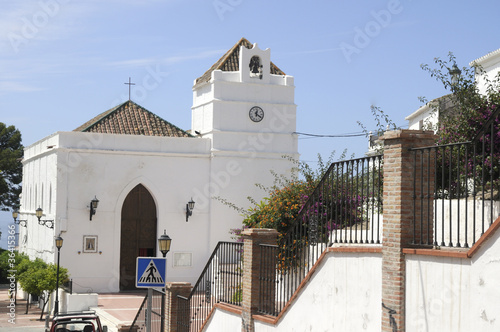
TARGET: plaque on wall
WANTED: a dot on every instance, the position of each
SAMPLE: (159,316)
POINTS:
(90,243)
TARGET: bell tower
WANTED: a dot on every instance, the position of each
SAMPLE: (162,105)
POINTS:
(245,105)
(244,102)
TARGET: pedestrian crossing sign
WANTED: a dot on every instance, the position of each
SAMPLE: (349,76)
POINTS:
(150,272)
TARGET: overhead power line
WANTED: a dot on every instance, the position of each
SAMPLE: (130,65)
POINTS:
(339,135)
(357,134)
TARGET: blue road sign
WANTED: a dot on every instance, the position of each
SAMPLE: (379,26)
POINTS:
(150,272)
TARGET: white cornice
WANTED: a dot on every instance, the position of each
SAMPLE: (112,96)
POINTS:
(426,107)
(485,58)
(217,100)
(421,110)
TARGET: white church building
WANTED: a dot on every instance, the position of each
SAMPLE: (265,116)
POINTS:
(144,170)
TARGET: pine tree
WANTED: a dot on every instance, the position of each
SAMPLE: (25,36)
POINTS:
(11,153)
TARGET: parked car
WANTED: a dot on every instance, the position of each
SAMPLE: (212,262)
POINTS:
(81,321)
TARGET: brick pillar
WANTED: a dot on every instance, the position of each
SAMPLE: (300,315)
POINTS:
(398,214)
(174,310)
(252,238)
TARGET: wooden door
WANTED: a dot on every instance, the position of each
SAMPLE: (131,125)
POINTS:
(138,233)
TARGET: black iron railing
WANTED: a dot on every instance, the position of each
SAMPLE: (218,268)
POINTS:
(269,281)
(220,281)
(456,189)
(154,306)
(345,207)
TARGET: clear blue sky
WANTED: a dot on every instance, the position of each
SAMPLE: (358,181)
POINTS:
(62,62)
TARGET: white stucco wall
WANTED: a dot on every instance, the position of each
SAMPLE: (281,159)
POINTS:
(243,152)
(78,302)
(463,220)
(80,166)
(490,64)
(426,117)
(344,294)
(66,170)
(222,320)
(222,105)
(40,189)
(454,294)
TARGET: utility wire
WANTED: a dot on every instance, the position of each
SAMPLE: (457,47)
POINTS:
(357,134)
(340,135)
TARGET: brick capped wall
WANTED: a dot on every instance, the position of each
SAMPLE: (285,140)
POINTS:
(252,238)
(173,311)
(398,231)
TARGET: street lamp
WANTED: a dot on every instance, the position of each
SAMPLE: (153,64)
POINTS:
(164,242)
(59,243)
(455,75)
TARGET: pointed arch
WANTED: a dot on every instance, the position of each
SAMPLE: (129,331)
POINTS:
(148,184)
(138,228)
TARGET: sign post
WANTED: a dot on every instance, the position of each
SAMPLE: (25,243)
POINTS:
(149,312)
(150,273)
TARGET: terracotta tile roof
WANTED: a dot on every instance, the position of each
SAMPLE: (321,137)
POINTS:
(230,62)
(130,118)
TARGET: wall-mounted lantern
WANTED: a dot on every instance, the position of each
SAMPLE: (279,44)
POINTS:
(17,221)
(47,223)
(189,209)
(93,206)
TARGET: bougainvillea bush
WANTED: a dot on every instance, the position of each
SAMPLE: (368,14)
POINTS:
(476,168)
(280,209)
(472,167)
(305,212)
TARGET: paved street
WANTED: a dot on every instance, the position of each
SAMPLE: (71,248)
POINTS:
(21,329)
(23,322)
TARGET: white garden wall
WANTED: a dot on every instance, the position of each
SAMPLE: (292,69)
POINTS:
(463,220)
(454,294)
(222,320)
(343,295)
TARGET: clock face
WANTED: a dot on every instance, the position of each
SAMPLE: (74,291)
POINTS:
(256,114)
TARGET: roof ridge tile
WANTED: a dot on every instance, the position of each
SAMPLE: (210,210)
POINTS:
(131,118)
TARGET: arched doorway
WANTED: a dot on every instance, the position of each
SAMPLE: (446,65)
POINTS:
(138,233)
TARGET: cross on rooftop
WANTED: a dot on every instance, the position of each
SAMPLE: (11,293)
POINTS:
(129,84)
